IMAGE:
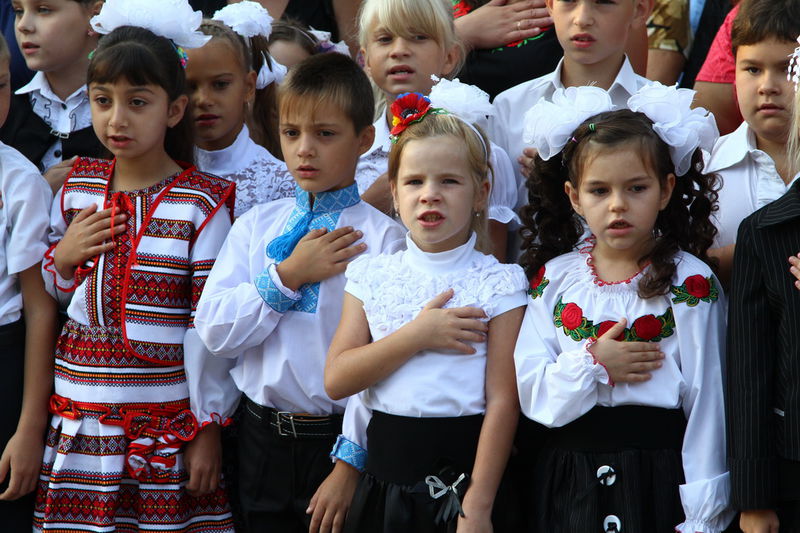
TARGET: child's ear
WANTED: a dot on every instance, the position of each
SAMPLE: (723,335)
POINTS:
(482,196)
(96,6)
(572,193)
(393,189)
(176,110)
(549,4)
(666,190)
(250,86)
(451,59)
(365,139)
(641,12)
(367,68)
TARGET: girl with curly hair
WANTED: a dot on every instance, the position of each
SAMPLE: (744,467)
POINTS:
(619,351)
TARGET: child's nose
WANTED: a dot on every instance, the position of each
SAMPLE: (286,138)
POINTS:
(399,47)
(305,146)
(25,22)
(583,15)
(618,202)
(118,118)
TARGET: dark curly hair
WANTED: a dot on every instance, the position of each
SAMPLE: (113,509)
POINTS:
(551,228)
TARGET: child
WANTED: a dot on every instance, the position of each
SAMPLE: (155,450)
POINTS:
(405,43)
(134,240)
(751,161)
(619,352)
(222,86)
(27,352)
(762,359)
(427,334)
(291,42)
(593,35)
(50,122)
(274,297)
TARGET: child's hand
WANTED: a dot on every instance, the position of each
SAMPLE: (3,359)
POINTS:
(476,519)
(626,362)
(23,457)
(203,459)
(329,505)
(57,174)
(794,260)
(447,329)
(320,255)
(759,521)
(88,235)
(526,161)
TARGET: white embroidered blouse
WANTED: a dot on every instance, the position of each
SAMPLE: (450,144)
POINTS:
(260,177)
(559,382)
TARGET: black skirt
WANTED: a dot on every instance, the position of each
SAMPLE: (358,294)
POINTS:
(613,469)
(392,495)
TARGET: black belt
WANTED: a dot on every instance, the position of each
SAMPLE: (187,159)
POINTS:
(296,425)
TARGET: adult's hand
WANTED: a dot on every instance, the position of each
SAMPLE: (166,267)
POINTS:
(501,22)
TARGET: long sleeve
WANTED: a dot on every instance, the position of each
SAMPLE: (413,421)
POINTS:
(213,394)
(706,493)
(351,446)
(555,387)
(58,287)
(233,315)
(751,358)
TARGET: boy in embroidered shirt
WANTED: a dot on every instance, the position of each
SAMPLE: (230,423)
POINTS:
(50,122)
(273,300)
(593,36)
(751,161)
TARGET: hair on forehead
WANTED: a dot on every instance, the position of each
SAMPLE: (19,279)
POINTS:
(325,79)
(760,20)
(408,18)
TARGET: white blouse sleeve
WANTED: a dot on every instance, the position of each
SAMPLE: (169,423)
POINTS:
(59,288)
(700,324)
(212,393)
(555,386)
(351,446)
(27,200)
(232,315)
(503,197)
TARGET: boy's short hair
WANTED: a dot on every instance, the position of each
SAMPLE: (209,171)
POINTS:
(759,20)
(328,78)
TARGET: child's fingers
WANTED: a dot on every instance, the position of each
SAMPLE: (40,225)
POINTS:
(101,248)
(439,300)
(102,222)
(635,378)
(85,213)
(471,324)
(316,518)
(345,240)
(615,331)
(644,367)
(314,234)
(351,251)
(468,312)
(462,347)
(338,233)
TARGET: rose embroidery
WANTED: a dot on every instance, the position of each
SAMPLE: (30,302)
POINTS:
(571,316)
(407,109)
(696,289)
(538,283)
(647,327)
(606,325)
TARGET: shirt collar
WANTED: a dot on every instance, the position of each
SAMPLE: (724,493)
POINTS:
(441,262)
(328,201)
(237,155)
(733,148)
(381,141)
(39,83)
(626,78)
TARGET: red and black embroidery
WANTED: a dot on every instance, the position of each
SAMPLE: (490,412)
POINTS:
(569,317)
(538,283)
(696,289)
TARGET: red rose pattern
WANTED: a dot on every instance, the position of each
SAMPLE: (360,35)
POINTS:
(607,325)
(537,280)
(698,286)
(647,327)
(571,316)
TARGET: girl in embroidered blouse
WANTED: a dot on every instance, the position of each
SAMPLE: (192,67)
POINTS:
(427,335)
(232,82)
(619,351)
(134,240)
(405,43)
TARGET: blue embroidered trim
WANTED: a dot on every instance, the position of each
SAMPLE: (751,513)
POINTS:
(271,294)
(325,214)
(350,452)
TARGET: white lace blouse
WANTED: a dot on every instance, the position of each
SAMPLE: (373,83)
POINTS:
(558,380)
(260,177)
(394,289)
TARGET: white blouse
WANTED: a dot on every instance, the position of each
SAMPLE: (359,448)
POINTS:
(559,382)
(260,177)
(395,288)
(25,223)
(503,196)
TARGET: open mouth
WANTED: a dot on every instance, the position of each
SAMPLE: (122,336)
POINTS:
(29,47)
(401,70)
(431,217)
(583,38)
(619,224)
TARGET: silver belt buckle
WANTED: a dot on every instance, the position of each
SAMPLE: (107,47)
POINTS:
(290,417)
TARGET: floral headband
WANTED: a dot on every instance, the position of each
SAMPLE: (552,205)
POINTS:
(793,74)
(172,19)
(550,125)
(250,19)
(451,97)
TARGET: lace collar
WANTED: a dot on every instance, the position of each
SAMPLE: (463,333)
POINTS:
(441,262)
(327,202)
(228,160)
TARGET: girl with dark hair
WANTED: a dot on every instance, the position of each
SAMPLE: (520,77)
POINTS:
(619,352)
(134,239)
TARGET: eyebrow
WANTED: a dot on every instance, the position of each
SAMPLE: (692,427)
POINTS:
(138,89)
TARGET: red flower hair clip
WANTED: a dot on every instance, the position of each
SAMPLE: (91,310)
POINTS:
(407,109)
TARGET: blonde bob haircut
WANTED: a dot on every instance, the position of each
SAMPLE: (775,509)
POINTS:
(446,125)
(407,18)
(793,148)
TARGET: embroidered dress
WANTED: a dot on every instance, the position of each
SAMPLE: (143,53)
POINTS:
(259,176)
(561,386)
(428,413)
(127,358)
(502,199)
